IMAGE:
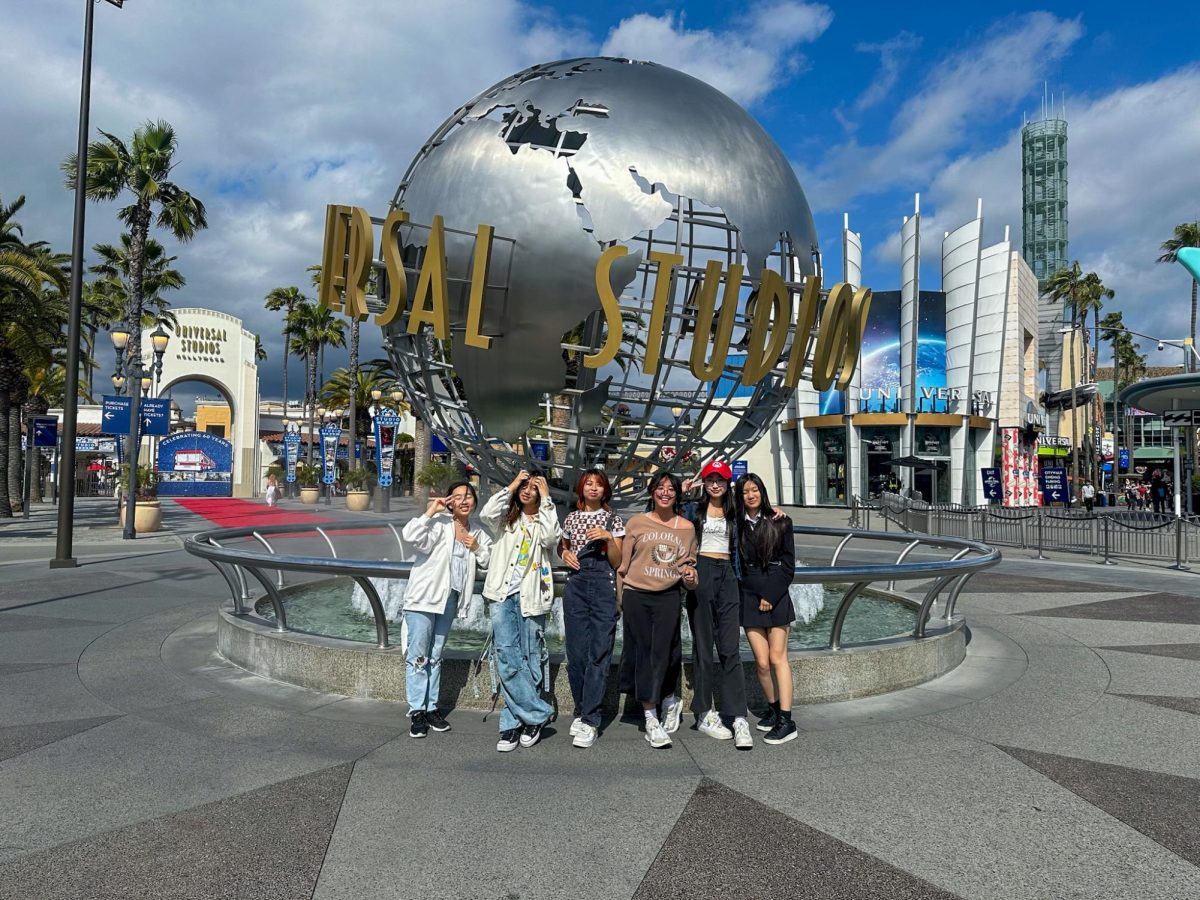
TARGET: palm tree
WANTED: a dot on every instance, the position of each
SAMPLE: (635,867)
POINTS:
(355,393)
(1186,235)
(33,281)
(260,352)
(311,328)
(1128,366)
(1067,286)
(113,286)
(143,168)
(1091,299)
(284,298)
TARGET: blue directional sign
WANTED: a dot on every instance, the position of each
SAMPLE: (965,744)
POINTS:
(114,415)
(740,467)
(45,431)
(992,486)
(1055,487)
(155,413)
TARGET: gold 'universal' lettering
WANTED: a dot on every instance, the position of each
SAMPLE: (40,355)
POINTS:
(481,263)
(358,263)
(773,311)
(430,304)
(394,264)
(706,303)
(658,311)
(612,310)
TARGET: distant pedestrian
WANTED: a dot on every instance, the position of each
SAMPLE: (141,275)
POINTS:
(1143,495)
(272,493)
(1088,492)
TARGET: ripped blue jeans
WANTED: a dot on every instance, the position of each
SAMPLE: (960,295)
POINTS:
(520,649)
(423,654)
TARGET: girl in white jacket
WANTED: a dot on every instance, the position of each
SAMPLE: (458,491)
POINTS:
(440,587)
(521,590)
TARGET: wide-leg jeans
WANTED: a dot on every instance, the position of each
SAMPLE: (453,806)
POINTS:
(590,617)
(519,645)
(423,654)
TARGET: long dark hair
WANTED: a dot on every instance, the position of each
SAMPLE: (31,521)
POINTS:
(767,538)
(513,513)
(675,483)
(728,506)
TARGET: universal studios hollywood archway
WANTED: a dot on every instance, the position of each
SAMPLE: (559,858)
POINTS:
(213,348)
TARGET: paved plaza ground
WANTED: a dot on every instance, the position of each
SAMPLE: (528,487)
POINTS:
(1060,760)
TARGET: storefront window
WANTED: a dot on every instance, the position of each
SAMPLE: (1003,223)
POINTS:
(933,444)
(879,447)
(831,465)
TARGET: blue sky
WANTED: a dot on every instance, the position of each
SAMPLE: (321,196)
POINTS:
(282,107)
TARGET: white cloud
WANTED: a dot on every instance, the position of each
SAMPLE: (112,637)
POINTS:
(748,60)
(967,90)
(1132,178)
(893,54)
(279,109)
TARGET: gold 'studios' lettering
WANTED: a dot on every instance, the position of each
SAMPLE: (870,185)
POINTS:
(834,353)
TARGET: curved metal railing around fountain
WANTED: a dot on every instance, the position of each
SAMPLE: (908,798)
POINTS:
(963,558)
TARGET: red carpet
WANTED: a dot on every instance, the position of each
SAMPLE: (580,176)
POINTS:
(229,513)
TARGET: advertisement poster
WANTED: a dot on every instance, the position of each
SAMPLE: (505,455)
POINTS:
(195,464)
(879,364)
(385,446)
(931,354)
(330,438)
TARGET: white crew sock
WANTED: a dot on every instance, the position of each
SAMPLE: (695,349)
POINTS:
(649,714)
(669,701)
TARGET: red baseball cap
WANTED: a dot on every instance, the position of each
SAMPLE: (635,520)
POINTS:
(717,467)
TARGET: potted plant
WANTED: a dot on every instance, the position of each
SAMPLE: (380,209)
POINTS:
(436,476)
(309,478)
(357,481)
(147,514)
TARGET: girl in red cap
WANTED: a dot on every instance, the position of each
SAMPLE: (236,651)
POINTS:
(714,610)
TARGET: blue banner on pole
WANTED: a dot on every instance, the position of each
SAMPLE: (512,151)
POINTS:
(386,424)
(1123,458)
(330,437)
(992,486)
(1055,487)
(291,453)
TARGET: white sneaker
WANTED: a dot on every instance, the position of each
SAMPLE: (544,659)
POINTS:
(585,736)
(575,726)
(741,734)
(671,716)
(656,734)
(710,724)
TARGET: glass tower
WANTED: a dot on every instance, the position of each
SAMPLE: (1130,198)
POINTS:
(1044,197)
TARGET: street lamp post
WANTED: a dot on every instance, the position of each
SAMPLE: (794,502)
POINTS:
(63,548)
(140,380)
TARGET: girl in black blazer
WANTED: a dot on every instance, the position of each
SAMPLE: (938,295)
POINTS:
(767,556)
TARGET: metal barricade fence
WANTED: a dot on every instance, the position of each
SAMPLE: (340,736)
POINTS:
(1108,535)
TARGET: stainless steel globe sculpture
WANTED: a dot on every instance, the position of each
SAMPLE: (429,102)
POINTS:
(564,160)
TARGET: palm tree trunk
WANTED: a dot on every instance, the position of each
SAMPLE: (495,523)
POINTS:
(5,406)
(138,232)
(312,400)
(1097,420)
(16,458)
(352,406)
(1191,366)
(287,320)
(1074,411)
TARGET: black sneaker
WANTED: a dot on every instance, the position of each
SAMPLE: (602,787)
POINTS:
(436,722)
(767,722)
(531,734)
(784,731)
(419,727)
(508,740)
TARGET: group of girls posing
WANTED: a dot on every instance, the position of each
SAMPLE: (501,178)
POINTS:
(733,555)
